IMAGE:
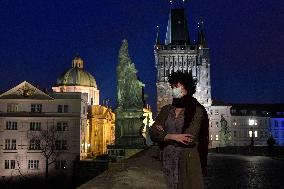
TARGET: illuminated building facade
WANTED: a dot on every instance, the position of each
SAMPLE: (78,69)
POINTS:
(26,115)
(102,129)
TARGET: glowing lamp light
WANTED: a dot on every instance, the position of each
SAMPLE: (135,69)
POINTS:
(89,145)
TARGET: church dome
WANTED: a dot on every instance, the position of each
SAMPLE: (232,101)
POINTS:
(76,76)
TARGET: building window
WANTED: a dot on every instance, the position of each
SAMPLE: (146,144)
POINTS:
(217,137)
(255,134)
(282,123)
(216,112)
(35,126)
(11,125)
(235,133)
(62,108)
(62,126)
(34,145)
(211,137)
(10,144)
(65,108)
(59,109)
(10,164)
(250,134)
(275,123)
(61,145)
(217,124)
(36,107)
(12,107)
(276,135)
(60,164)
(33,164)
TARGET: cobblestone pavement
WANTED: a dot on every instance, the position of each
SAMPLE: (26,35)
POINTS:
(237,171)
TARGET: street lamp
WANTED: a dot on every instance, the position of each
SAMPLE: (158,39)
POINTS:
(252,122)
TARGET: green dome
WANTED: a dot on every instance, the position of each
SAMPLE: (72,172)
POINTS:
(76,76)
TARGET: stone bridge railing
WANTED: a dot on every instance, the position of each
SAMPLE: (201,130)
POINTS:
(143,170)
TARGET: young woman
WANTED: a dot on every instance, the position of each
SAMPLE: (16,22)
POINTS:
(182,129)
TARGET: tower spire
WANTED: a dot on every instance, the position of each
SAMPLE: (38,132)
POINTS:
(177,29)
(201,34)
(158,42)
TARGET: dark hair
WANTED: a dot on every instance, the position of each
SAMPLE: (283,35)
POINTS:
(185,79)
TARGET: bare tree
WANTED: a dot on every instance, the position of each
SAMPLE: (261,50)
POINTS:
(49,143)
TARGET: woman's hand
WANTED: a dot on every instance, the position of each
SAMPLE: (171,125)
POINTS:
(182,138)
(160,128)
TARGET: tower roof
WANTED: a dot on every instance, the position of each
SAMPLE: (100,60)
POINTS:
(177,30)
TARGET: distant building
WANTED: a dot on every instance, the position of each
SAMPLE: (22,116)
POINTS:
(27,114)
(179,53)
(102,129)
(77,79)
(277,127)
(249,124)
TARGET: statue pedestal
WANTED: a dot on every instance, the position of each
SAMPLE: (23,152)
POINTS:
(128,134)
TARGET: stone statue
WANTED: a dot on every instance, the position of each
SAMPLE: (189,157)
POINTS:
(129,110)
(129,95)
(224,133)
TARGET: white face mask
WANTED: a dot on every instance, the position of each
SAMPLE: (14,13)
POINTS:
(177,92)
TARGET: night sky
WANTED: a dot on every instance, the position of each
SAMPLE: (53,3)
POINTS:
(39,39)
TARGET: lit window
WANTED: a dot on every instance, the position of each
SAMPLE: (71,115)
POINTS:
(252,122)
(255,134)
(250,133)
(211,137)
(217,137)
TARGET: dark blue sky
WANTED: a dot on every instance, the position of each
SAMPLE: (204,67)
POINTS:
(38,40)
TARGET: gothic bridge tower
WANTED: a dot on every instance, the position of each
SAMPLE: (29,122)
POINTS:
(179,53)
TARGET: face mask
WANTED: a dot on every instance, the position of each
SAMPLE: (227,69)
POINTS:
(177,93)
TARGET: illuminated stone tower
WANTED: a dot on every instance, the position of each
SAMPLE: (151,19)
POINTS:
(178,53)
